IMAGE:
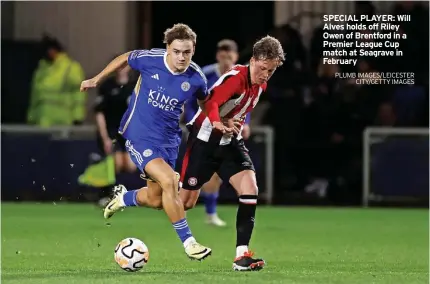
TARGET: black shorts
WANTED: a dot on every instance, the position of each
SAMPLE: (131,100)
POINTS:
(118,143)
(203,159)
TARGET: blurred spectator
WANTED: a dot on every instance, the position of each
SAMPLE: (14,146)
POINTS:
(111,103)
(386,115)
(55,96)
(316,154)
(316,48)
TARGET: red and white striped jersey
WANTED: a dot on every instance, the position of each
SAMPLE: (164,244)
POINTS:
(235,96)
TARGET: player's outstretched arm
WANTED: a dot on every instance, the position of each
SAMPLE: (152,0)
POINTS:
(116,64)
(223,127)
(218,96)
(211,109)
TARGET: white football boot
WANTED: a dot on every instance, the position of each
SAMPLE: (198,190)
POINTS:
(117,202)
(196,251)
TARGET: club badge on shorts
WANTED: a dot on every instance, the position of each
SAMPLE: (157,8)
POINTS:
(147,153)
(185,86)
(192,181)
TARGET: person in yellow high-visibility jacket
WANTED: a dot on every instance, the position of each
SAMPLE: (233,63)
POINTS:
(55,96)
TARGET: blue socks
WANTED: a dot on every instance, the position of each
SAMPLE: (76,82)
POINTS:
(210,200)
(182,230)
(130,198)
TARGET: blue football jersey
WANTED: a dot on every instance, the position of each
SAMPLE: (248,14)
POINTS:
(157,99)
(212,74)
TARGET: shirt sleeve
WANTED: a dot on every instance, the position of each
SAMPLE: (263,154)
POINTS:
(202,92)
(219,94)
(137,58)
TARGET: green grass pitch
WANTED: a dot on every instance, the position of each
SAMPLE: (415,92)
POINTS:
(68,243)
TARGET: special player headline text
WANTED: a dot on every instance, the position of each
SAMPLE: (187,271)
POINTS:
(346,38)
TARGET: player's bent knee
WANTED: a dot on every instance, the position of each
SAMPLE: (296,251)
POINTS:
(245,183)
(249,189)
(189,198)
(151,201)
(189,205)
(168,182)
(156,203)
(253,190)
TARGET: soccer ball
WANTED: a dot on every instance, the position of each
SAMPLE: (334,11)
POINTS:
(131,254)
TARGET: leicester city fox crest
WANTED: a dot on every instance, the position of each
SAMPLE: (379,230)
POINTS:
(185,86)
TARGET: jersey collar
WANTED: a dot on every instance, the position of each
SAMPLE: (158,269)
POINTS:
(168,68)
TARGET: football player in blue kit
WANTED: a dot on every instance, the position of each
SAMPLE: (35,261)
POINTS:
(168,78)
(226,56)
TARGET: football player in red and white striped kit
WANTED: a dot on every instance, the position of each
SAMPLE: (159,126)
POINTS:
(215,144)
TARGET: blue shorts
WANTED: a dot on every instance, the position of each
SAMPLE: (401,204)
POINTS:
(142,152)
